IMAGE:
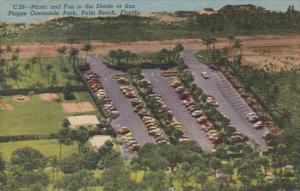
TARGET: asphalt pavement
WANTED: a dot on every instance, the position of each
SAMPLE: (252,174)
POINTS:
(128,117)
(230,102)
(161,86)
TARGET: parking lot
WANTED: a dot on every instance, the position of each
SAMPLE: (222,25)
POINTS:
(127,116)
(161,85)
(230,102)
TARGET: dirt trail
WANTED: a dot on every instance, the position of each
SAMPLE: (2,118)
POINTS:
(260,41)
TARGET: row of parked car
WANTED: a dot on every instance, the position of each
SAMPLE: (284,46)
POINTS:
(102,97)
(201,118)
(139,107)
(164,108)
(196,112)
(127,139)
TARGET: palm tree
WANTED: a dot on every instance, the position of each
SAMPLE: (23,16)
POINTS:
(112,54)
(237,44)
(2,51)
(8,49)
(231,39)
(26,68)
(87,48)
(213,41)
(54,163)
(62,51)
(163,55)
(73,56)
(120,55)
(127,55)
(207,42)
(48,69)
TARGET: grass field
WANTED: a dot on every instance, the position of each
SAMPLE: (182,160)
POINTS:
(47,147)
(35,116)
(35,74)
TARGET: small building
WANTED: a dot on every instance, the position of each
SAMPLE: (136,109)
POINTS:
(97,141)
(89,121)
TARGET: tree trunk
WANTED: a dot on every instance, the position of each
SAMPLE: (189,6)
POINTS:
(60,151)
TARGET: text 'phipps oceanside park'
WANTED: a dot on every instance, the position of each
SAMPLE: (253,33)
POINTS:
(23,10)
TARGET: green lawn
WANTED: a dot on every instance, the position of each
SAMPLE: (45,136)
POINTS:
(35,116)
(47,147)
(36,74)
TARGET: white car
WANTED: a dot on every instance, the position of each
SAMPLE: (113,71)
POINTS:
(205,75)
(211,100)
(258,125)
(196,113)
(252,117)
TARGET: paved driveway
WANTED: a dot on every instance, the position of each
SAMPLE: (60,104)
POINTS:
(161,86)
(230,101)
(128,117)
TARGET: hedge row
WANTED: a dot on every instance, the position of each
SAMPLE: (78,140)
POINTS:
(27,91)
(27,137)
(11,138)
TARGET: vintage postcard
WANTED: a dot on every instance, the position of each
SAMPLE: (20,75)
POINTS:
(149,95)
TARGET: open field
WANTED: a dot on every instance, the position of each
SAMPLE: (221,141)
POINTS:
(273,58)
(49,50)
(35,116)
(35,74)
(47,147)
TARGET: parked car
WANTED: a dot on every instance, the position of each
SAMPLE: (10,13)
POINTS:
(197,113)
(252,117)
(258,125)
(205,75)
(211,100)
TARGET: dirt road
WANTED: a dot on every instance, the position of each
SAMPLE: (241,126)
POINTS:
(261,41)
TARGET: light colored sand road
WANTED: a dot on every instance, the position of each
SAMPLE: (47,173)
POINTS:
(50,50)
(231,103)
(161,86)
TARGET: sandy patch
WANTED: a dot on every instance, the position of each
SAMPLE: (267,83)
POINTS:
(6,107)
(49,97)
(20,98)
(79,107)
(280,58)
(86,106)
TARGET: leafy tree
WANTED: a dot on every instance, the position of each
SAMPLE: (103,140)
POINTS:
(28,158)
(76,181)
(153,181)
(2,172)
(117,177)
(64,137)
(172,154)
(215,164)
(72,164)
(68,92)
(81,136)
